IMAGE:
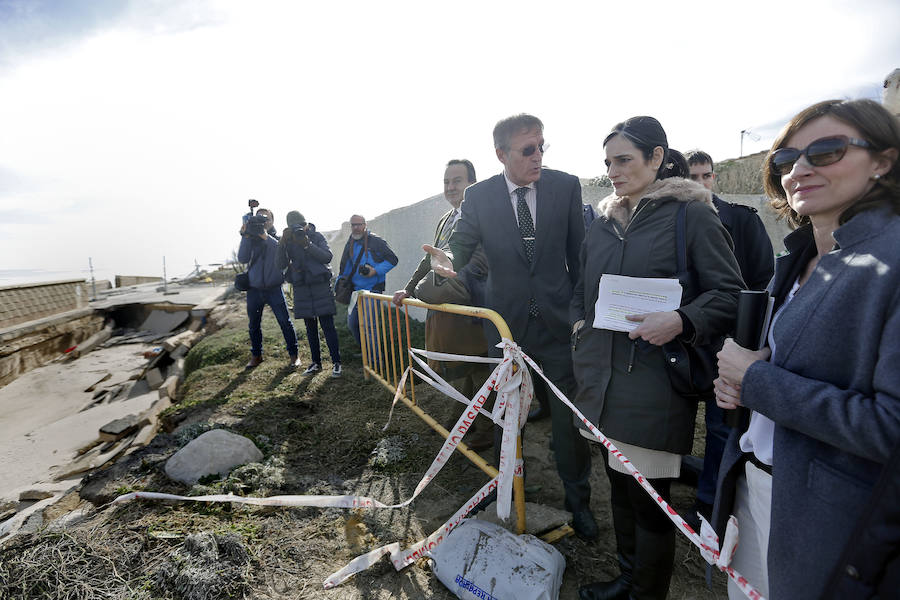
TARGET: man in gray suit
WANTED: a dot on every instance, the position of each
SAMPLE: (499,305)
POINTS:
(529,222)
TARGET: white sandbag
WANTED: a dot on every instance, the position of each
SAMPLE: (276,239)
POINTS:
(483,561)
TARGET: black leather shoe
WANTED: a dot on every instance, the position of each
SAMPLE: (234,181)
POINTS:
(584,525)
(617,589)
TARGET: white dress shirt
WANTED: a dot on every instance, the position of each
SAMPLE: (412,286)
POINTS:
(530,199)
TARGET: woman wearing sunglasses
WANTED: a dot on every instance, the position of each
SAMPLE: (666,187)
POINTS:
(623,383)
(824,397)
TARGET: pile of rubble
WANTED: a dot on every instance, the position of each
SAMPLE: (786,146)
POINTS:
(157,381)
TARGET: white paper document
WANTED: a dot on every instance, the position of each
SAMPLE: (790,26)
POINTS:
(620,295)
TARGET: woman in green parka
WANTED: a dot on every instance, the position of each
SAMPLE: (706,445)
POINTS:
(623,384)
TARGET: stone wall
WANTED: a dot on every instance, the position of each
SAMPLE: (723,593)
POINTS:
(27,302)
(741,175)
(129,280)
(25,347)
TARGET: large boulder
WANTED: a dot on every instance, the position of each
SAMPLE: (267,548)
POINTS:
(215,452)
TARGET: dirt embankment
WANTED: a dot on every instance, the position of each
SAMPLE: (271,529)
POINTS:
(318,435)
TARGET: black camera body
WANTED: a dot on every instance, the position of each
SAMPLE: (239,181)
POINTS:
(256,225)
(364,270)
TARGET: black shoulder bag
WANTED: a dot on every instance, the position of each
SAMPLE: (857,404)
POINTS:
(691,368)
(242,280)
(343,287)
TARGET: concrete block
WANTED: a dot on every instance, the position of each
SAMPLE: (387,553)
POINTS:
(34,495)
(161,321)
(154,378)
(170,386)
(119,428)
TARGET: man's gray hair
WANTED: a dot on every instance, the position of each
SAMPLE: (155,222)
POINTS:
(506,128)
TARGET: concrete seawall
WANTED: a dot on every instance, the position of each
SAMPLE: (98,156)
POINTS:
(28,302)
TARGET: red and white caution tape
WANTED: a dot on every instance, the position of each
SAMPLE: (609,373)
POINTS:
(514,394)
(708,543)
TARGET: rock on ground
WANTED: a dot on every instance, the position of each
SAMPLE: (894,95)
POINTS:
(215,452)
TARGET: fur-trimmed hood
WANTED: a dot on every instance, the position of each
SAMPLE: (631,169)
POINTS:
(682,190)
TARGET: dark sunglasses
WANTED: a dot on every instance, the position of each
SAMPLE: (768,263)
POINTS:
(820,153)
(529,150)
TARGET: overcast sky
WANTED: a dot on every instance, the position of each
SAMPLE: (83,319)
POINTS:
(134,130)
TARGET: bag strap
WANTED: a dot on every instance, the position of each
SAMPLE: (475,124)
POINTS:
(681,244)
(361,254)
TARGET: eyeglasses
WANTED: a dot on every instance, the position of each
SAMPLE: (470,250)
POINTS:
(357,224)
(820,153)
(529,150)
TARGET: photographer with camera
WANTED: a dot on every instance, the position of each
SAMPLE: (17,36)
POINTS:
(259,248)
(374,259)
(305,253)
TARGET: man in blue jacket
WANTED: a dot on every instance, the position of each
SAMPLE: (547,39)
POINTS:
(365,261)
(261,252)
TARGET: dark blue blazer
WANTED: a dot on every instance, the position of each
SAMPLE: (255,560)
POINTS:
(833,391)
(487,217)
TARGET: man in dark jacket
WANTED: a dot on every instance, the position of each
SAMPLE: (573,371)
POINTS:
(261,252)
(756,259)
(530,224)
(305,253)
(365,261)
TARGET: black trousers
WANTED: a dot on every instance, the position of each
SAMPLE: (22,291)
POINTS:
(572,452)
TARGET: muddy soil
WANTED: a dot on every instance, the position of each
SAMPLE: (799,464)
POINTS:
(317,434)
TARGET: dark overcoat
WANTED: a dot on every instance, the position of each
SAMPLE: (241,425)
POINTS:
(637,405)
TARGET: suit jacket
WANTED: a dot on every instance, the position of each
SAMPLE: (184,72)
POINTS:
(425,264)
(488,218)
(833,391)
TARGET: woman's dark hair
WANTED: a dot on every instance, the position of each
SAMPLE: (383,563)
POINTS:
(875,124)
(646,133)
(675,165)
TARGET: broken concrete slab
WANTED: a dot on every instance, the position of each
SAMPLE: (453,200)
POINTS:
(93,461)
(179,352)
(540,518)
(7,509)
(170,387)
(94,385)
(154,378)
(215,452)
(92,342)
(33,495)
(161,321)
(101,487)
(185,338)
(119,428)
(14,523)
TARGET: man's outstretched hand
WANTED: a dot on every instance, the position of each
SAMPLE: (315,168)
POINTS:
(440,262)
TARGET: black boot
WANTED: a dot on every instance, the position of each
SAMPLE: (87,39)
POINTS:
(620,587)
(617,589)
(654,560)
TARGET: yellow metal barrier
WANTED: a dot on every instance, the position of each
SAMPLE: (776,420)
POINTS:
(386,357)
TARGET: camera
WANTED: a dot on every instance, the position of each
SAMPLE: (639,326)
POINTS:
(256,225)
(364,270)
